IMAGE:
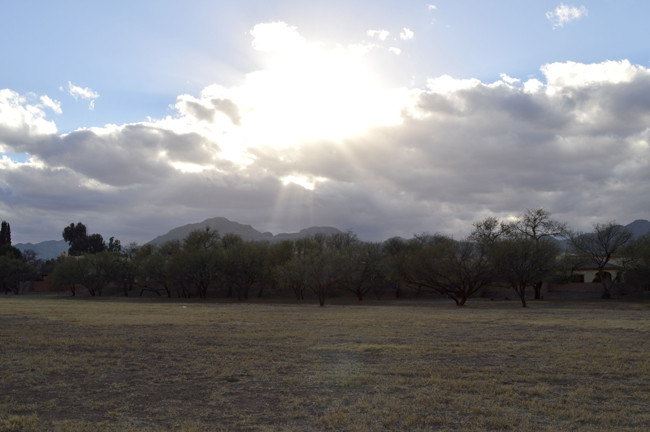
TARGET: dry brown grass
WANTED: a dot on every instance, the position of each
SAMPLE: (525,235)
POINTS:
(77,365)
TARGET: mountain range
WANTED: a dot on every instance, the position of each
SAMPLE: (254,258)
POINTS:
(53,248)
(246,232)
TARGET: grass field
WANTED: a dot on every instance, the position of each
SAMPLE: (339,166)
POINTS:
(138,365)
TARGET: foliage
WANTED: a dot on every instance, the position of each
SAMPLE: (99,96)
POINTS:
(14,269)
(5,234)
(81,243)
(519,254)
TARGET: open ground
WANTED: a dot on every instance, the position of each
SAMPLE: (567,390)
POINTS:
(156,365)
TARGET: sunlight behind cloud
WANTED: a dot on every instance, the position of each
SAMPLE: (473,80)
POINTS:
(310,91)
(306,182)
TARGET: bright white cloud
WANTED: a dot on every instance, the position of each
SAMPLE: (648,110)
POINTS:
(432,7)
(533,86)
(508,79)
(54,105)
(19,115)
(406,34)
(448,84)
(564,14)
(276,37)
(395,50)
(381,35)
(78,92)
(564,75)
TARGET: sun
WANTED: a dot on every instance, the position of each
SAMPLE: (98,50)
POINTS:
(312,91)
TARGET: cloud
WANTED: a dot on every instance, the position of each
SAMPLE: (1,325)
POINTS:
(381,35)
(22,118)
(276,37)
(52,104)
(406,34)
(509,80)
(311,139)
(432,7)
(78,92)
(564,14)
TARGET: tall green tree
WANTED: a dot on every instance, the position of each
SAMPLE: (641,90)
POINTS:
(5,234)
(76,235)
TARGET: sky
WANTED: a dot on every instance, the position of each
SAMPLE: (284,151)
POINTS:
(384,118)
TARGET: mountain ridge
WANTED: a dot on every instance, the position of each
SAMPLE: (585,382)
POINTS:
(246,232)
(53,248)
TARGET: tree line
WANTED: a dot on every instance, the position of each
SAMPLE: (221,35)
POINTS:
(521,254)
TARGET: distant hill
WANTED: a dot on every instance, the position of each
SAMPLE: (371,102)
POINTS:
(639,227)
(53,248)
(45,250)
(246,232)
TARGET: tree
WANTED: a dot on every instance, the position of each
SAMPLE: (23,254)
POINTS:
(293,274)
(456,269)
(396,256)
(488,231)
(14,269)
(95,244)
(599,246)
(114,245)
(243,266)
(363,268)
(463,270)
(322,272)
(519,261)
(277,254)
(5,234)
(537,225)
(315,266)
(76,236)
(80,242)
(153,268)
(197,262)
(69,272)
(638,271)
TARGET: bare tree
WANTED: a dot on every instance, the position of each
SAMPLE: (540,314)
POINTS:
(520,262)
(599,246)
(456,269)
(537,225)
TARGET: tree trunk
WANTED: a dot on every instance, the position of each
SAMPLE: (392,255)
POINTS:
(607,292)
(538,290)
(521,290)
